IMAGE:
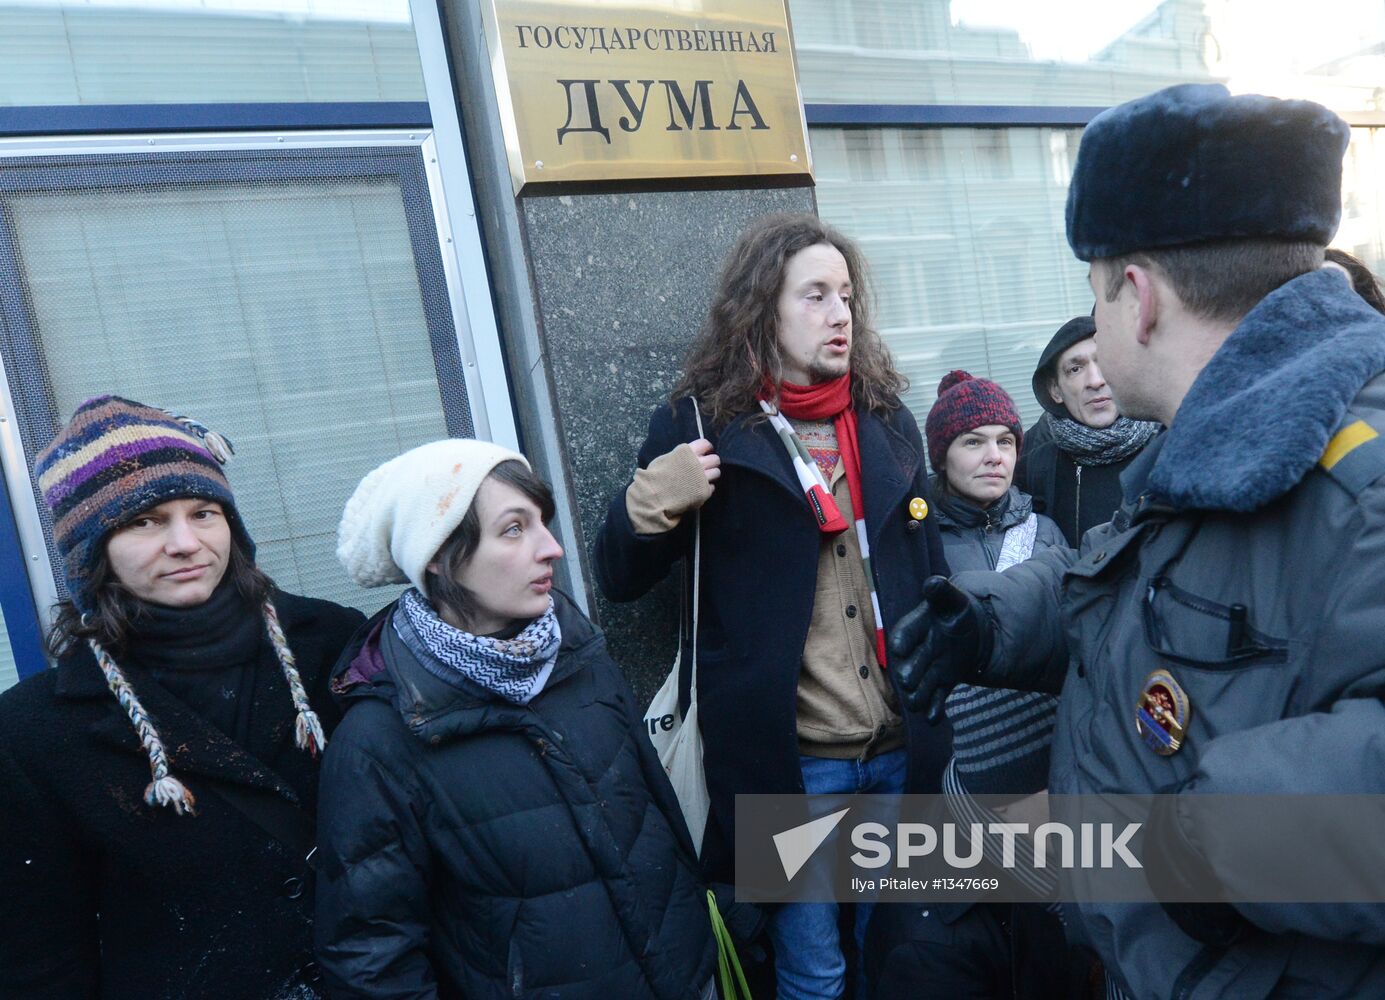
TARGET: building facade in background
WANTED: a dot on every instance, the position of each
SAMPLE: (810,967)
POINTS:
(293,220)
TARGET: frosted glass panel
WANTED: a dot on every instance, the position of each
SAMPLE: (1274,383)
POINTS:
(288,315)
(963,232)
(207,51)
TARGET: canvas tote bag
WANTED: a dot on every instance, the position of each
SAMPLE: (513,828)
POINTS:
(677,739)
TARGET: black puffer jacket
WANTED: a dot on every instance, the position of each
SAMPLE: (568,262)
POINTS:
(473,847)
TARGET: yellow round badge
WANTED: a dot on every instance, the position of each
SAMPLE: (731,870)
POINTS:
(918,508)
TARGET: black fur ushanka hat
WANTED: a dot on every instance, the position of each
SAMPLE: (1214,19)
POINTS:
(1191,163)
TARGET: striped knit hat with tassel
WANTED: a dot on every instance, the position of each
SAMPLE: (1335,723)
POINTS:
(114,460)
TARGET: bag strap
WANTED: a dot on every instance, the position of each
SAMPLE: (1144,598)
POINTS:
(697,572)
(276,816)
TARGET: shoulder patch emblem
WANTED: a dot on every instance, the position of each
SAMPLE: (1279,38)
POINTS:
(1345,441)
(1355,456)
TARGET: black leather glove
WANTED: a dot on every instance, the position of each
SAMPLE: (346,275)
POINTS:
(1174,867)
(944,641)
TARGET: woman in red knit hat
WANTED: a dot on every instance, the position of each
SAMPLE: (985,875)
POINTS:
(1000,738)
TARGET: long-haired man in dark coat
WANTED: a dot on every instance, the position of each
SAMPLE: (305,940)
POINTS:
(809,465)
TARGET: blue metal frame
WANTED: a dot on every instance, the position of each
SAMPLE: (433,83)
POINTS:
(976,115)
(106,119)
(16,600)
(19,344)
(986,116)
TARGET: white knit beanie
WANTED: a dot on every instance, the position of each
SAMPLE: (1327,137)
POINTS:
(403,511)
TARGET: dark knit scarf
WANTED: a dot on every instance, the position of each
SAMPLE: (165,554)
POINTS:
(1101,445)
(204,656)
(516,669)
(829,400)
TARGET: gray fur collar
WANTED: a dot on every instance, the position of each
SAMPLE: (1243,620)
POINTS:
(1259,415)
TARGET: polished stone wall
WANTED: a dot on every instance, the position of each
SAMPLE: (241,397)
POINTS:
(622,283)
(598,296)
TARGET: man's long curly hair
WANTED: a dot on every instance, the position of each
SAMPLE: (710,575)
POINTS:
(737,349)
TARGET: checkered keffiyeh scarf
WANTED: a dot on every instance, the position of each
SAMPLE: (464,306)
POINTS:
(515,669)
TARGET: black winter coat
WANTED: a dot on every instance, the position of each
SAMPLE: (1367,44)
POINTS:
(475,848)
(103,896)
(760,546)
(1076,497)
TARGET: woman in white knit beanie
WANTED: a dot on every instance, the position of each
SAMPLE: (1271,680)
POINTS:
(493,820)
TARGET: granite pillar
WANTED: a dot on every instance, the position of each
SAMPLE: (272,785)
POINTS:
(623,282)
(597,297)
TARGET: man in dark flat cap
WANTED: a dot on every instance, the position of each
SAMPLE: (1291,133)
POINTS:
(1075,453)
(1223,634)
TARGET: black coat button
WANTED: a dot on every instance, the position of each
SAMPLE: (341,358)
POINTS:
(864,671)
(292,888)
(911,526)
(310,972)
(851,611)
(841,550)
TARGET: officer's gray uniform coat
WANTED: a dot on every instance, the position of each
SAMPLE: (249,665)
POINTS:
(1241,502)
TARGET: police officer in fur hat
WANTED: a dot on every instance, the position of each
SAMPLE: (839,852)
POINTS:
(1222,633)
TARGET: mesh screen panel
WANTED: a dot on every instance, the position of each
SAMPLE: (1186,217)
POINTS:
(963,231)
(302,315)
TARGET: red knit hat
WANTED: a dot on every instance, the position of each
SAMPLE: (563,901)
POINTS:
(966,403)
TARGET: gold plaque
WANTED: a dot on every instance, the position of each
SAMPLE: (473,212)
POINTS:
(602,91)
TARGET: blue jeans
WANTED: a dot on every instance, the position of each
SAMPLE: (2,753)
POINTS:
(808,959)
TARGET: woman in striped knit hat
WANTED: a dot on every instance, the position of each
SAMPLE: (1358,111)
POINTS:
(159,784)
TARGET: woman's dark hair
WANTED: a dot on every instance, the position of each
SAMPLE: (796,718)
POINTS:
(737,348)
(443,589)
(1363,279)
(115,609)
